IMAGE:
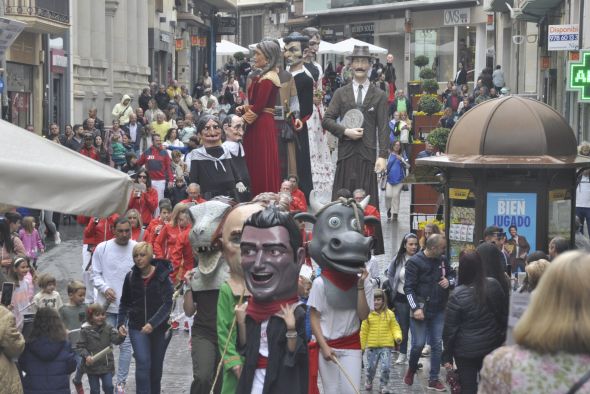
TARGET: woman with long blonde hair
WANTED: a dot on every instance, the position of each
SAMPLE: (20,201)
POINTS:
(552,351)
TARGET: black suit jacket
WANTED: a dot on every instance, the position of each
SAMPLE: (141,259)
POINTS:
(376,131)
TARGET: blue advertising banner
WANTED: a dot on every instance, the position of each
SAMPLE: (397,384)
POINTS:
(514,209)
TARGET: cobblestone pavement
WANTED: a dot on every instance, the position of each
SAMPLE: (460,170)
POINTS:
(65,262)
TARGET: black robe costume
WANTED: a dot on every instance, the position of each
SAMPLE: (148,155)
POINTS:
(286,373)
(238,160)
(213,170)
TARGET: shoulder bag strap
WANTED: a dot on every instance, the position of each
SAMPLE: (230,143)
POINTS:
(579,384)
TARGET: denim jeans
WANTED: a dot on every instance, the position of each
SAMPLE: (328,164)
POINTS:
(373,357)
(79,370)
(124,352)
(107,383)
(433,327)
(402,315)
(584,215)
(149,351)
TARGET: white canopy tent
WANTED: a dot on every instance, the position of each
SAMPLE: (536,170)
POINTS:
(38,173)
(347,46)
(325,47)
(228,48)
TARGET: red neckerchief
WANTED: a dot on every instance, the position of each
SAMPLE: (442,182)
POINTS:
(261,311)
(341,280)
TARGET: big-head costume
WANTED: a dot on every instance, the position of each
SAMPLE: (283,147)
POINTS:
(355,167)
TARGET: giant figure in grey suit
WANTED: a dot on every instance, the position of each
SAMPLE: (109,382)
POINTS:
(358,159)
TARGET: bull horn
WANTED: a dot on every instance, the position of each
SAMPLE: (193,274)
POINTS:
(314,202)
(365,202)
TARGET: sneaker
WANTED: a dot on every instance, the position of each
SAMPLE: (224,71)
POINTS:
(186,327)
(120,388)
(389,213)
(368,387)
(175,325)
(436,385)
(409,377)
(401,359)
(79,388)
(57,238)
(385,390)
(426,351)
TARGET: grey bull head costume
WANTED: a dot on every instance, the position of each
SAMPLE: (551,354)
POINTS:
(211,270)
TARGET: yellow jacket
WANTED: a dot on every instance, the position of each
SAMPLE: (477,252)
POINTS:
(380,330)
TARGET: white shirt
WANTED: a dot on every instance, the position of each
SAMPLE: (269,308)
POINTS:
(110,263)
(355,88)
(133,131)
(336,324)
(583,193)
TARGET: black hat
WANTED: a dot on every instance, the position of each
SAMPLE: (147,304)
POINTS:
(360,51)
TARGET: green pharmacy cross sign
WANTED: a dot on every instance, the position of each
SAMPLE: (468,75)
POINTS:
(579,77)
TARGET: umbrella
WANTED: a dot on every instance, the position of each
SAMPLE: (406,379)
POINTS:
(229,48)
(38,173)
(346,47)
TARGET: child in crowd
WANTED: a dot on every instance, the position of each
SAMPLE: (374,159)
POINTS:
(119,151)
(31,239)
(155,226)
(73,314)
(96,335)
(48,297)
(23,292)
(48,359)
(179,167)
(130,167)
(379,333)
(178,192)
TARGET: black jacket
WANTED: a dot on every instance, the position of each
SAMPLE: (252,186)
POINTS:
(472,330)
(421,285)
(286,373)
(147,304)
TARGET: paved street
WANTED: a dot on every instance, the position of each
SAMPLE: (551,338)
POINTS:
(65,262)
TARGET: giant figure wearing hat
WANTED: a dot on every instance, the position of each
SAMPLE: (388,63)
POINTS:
(356,167)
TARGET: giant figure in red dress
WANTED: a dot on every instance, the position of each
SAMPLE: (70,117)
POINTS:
(260,141)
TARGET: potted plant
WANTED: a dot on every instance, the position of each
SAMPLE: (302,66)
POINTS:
(438,138)
(239,56)
(415,87)
(430,86)
(427,73)
(429,104)
(421,61)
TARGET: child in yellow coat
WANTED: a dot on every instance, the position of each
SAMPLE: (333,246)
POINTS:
(379,334)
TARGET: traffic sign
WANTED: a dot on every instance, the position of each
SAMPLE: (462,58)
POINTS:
(579,77)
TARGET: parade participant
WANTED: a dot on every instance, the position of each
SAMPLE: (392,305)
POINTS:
(233,126)
(146,303)
(230,294)
(123,110)
(379,333)
(371,230)
(339,299)
(157,163)
(202,292)
(153,229)
(296,205)
(144,197)
(179,220)
(357,147)
(428,280)
(271,326)
(296,192)
(194,195)
(210,165)
(137,230)
(96,335)
(111,261)
(260,139)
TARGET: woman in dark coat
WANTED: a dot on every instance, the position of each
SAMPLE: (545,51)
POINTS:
(475,321)
(48,359)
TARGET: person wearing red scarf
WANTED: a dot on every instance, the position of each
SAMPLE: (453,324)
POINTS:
(271,326)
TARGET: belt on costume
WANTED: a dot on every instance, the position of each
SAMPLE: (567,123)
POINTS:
(351,342)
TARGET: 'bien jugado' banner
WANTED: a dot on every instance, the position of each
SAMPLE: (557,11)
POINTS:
(514,209)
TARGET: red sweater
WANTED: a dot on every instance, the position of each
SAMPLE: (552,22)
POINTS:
(165,241)
(150,232)
(199,200)
(299,194)
(146,204)
(371,211)
(182,256)
(157,163)
(95,233)
(92,153)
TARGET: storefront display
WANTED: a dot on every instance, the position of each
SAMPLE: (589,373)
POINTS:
(514,209)
(462,223)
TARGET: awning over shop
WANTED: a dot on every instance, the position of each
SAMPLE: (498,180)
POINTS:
(229,48)
(533,10)
(500,5)
(347,46)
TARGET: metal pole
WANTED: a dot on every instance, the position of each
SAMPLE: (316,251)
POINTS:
(3,67)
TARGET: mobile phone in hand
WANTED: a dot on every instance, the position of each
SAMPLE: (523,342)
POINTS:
(7,290)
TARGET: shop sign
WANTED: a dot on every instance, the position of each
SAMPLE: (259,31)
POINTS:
(579,77)
(179,44)
(456,16)
(332,33)
(195,41)
(458,194)
(165,37)
(362,29)
(59,62)
(227,25)
(203,42)
(514,209)
(563,37)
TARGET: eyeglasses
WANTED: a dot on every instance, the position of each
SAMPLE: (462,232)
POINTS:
(214,127)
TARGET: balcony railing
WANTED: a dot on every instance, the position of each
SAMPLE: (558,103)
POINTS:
(53,10)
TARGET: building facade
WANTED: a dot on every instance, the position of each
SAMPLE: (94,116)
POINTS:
(260,19)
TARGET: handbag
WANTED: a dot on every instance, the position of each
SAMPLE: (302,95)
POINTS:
(383,180)
(404,136)
(453,381)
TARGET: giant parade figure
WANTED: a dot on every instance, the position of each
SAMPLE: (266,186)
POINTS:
(260,141)
(364,113)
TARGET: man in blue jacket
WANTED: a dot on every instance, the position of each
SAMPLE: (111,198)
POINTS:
(428,281)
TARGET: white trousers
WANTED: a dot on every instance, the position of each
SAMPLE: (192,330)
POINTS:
(392,195)
(159,186)
(87,276)
(258,382)
(335,381)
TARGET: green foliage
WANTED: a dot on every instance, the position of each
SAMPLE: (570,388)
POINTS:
(430,86)
(438,137)
(421,61)
(429,104)
(427,73)
(239,56)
